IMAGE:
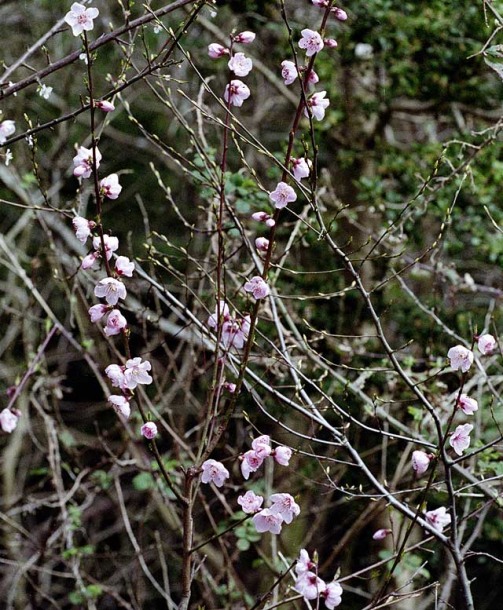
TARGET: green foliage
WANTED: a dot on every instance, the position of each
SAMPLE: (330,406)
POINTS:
(89,592)
(245,533)
(410,562)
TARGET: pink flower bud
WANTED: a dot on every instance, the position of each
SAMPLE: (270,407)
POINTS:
(264,217)
(486,344)
(262,244)
(244,37)
(339,14)
(312,78)
(120,405)
(149,430)
(381,534)
(89,260)
(104,105)
(330,43)
(96,312)
(230,387)
(215,50)
(420,462)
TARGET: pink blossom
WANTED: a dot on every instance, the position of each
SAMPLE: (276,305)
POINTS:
(267,521)
(438,518)
(309,585)
(83,162)
(89,260)
(318,104)
(111,290)
(420,462)
(115,323)
(136,373)
(240,64)
(214,472)
(264,217)
(124,266)
(330,43)
(284,505)
(111,245)
(110,186)
(245,37)
(258,287)
(236,92)
(221,312)
(149,430)
(486,344)
(282,195)
(120,405)
(104,105)
(230,387)
(320,3)
(332,594)
(250,502)
(9,419)
(215,50)
(300,168)
(289,71)
(381,534)
(282,455)
(339,14)
(7,129)
(96,312)
(251,462)
(262,244)
(235,332)
(82,228)
(116,375)
(460,439)
(311,41)
(262,446)
(467,405)
(460,358)
(80,19)
(312,77)
(304,563)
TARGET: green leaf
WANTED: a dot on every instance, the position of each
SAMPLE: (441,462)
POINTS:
(493,57)
(243,544)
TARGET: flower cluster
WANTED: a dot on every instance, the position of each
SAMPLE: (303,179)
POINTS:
(461,358)
(236,92)
(311,586)
(282,506)
(283,509)
(234,330)
(111,289)
(261,449)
